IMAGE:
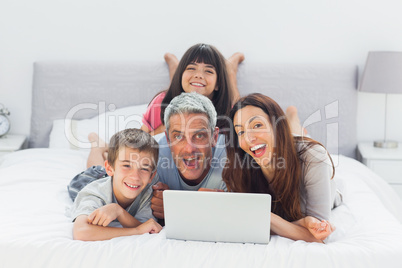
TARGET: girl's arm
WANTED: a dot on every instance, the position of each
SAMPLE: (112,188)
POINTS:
(152,117)
(158,130)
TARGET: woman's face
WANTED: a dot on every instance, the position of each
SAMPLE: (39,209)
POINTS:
(200,78)
(255,134)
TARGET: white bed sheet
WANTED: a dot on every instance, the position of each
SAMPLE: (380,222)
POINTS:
(35,230)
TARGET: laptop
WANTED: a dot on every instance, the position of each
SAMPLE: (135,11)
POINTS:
(217,216)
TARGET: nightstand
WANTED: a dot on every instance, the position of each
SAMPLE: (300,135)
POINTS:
(11,143)
(385,162)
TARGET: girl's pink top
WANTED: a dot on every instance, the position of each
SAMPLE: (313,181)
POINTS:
(152,116)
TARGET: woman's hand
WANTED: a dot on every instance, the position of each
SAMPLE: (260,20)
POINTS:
(319,229)
(296,230)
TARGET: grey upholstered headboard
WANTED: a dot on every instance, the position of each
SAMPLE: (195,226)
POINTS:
(325,95)
(58,87)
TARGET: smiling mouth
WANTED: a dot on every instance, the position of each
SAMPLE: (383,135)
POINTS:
(259,149)
(197,84)
(132,186)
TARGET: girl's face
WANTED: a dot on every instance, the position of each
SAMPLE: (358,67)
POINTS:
(255,134)
(200,78)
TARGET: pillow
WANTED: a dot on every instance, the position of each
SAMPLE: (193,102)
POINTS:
(73,134)
(57,137)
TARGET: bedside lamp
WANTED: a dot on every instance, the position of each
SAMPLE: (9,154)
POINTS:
(383,74)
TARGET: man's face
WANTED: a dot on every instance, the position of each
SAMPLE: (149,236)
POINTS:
(191,141)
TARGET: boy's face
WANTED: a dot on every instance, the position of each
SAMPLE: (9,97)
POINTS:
(132,171)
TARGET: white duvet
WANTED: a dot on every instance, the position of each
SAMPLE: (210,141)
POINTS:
(35,230)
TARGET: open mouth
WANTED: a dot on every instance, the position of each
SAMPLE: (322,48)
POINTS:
(132,186)
(259,149)
(191,162)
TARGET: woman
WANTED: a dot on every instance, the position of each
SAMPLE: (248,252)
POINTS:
(264,157)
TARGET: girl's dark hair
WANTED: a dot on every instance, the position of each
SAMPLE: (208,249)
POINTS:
(243,174)
(222,98)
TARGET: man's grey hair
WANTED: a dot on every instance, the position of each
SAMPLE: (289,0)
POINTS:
(191,103)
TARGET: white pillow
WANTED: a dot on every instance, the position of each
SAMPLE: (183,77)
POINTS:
(57,137)
(73,134)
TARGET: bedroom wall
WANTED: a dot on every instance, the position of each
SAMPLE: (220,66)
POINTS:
(292,31)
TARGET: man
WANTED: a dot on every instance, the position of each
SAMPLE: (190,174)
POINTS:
(191,156)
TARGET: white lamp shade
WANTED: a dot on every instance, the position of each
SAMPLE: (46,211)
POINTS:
(382,73)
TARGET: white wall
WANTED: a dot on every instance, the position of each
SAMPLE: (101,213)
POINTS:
(292,31)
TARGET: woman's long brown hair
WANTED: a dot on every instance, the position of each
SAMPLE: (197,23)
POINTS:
(243,174)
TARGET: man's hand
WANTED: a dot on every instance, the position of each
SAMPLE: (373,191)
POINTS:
(157,200)
(150,226)
(103,216)
(209,190)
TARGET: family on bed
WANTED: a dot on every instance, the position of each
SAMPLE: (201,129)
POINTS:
(214,141)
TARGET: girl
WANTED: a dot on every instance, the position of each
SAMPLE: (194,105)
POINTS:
(204,70)
(264,157)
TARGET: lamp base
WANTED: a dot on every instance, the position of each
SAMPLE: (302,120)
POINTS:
(386,144)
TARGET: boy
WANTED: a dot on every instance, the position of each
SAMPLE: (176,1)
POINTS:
(124,195)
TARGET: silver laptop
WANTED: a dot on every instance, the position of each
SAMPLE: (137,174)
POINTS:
(217,216)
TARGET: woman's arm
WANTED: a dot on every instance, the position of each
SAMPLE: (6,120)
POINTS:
(291,230)
(319,229)
(316,192)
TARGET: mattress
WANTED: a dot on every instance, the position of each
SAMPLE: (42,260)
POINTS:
(36,231)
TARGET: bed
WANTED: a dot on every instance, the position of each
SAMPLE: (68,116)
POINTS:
(35,230)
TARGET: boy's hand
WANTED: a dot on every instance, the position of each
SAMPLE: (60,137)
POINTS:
(150,226)
(103,216)
(157,199)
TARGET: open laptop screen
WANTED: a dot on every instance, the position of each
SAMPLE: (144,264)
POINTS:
(217,216)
